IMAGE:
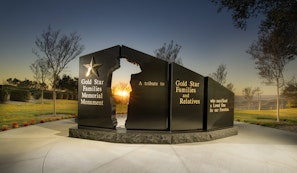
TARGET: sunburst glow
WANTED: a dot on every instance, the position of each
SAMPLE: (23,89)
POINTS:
(123,93)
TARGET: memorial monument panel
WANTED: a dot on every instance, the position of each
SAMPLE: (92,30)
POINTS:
(219,105)
(187,94)
(96,107)
(149,100)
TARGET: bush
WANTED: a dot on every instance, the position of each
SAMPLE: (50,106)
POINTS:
(15,125)
(70,96)
(20,95)
(4,127)
(36,95)
(48,95)
(33,122)
(3,96)
(25,123)
(65,96)
(292,103)
(59,95)
(75,97)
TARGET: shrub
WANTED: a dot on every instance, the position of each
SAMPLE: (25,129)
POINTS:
(20,95)
(48,95)
(292,103)
(33,122)
(4,127)
(36,95)
(70,96)
(25,123)
(15,125)
(65,96)
(60,95)
(42,121)
(74,97)
(3,96)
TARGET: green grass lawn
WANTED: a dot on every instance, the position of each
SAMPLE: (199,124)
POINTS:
(267,117)
(121,108)
(21,112)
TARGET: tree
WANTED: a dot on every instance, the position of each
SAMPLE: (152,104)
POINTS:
(248,94)
(271,54)
(169,53)
(22,84)
(14,82)
(259,92)
(40,73)
(230,86)
(290,92)
(277,40)
(27,84)
(58,50)
(220,75)
(273,12)
(69,84)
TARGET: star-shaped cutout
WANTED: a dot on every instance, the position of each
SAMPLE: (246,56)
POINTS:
(92,68)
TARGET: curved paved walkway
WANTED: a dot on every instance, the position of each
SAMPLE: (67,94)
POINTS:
(47,148)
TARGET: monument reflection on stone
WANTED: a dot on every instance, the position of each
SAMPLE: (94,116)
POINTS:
(164,97)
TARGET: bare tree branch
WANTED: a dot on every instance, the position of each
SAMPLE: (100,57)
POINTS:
(169,53)
(58,50)
(220,75)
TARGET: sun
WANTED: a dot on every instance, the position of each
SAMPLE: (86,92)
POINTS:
(122,89)
(123,93)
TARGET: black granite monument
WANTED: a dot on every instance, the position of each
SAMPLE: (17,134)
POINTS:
(165,97)
(219,106)
(95,104)
(149,104)
(187,94)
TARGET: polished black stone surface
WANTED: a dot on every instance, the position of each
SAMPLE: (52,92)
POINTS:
(149,100)
(219,105)
(187,95)
(95,104)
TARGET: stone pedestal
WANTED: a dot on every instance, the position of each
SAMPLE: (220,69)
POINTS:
(121,135)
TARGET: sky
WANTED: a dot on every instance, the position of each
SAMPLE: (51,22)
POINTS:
(208,38)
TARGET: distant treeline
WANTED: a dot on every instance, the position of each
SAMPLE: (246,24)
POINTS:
(24,90)
(264,103)
(13,93)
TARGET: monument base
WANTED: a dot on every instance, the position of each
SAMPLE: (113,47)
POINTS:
(121,135)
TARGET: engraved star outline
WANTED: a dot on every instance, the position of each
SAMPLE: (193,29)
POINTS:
(92,68)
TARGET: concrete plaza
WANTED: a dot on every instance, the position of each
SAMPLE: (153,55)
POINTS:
(47,148)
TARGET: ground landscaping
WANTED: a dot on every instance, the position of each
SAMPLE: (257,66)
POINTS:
(20,114)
